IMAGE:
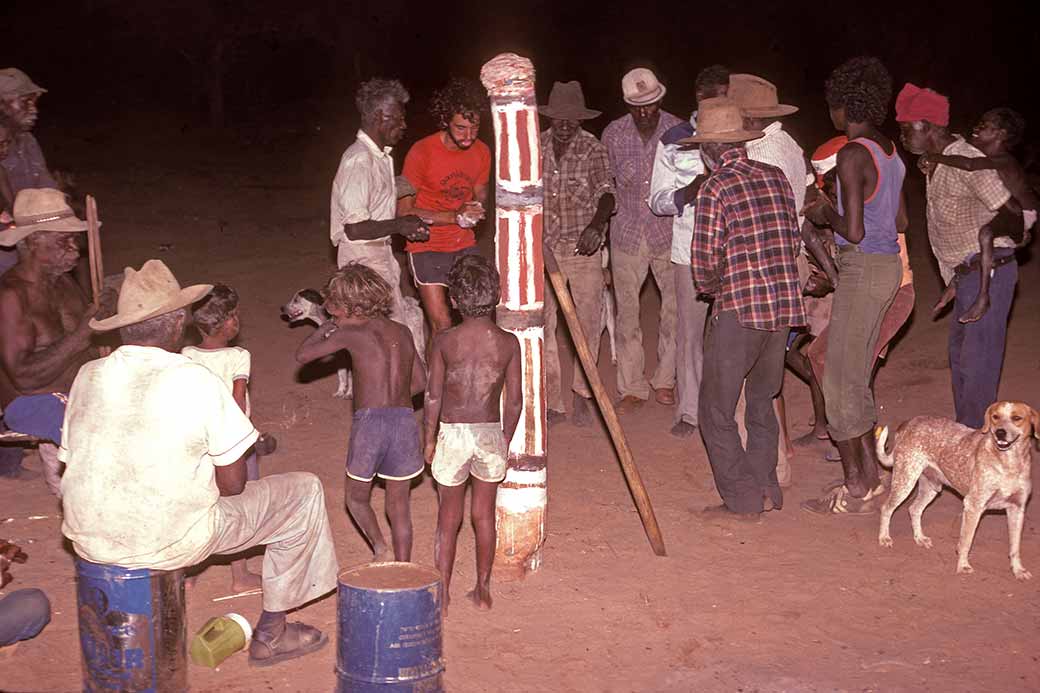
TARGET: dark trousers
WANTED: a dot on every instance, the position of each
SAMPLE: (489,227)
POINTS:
(977,349)
(10,460)
(23,614)
(732,354)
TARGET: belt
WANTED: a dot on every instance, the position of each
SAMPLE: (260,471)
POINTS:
(973,265)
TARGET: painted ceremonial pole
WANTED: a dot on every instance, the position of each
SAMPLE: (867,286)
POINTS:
(520,508)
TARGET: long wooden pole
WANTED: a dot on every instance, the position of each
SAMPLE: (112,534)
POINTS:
(520,507)
(606,407)
(97,273)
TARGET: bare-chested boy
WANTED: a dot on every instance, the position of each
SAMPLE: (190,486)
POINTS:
(996,134)
(384,435)
(470,365)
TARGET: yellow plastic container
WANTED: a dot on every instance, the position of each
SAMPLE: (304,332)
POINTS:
(221,637)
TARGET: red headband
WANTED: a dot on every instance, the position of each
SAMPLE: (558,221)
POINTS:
(915,103)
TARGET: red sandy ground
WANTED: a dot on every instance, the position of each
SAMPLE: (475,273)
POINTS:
(797,603)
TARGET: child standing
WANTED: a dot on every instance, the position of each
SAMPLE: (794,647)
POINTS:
(996,134)
(216,319)
(384,435)
(466,435)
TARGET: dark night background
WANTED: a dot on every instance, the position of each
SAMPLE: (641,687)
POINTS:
(287,70)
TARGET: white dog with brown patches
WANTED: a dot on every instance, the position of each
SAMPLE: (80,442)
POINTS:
(989,467)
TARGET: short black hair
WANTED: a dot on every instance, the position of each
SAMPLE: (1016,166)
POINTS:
(473,284)
(863,87)
(1011,122)
(462,96)
(215,308)
(712,76)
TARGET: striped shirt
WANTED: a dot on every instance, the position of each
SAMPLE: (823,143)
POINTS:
(632,163)
(573,186)
(959,204)
(745,241)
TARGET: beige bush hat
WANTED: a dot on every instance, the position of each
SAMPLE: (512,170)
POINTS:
(567,102)
(148,293)
(41,209)
(757,97)
(640,87)
(14,82)
(719,120)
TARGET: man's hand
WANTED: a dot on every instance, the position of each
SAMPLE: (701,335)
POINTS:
(815,208)
(413,228)
(9,553)
(688,193)
(429,449)
(591,239)
(926,164)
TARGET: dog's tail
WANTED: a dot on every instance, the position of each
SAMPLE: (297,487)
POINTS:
(884,457)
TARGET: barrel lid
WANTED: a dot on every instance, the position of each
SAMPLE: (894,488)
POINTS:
(390,576)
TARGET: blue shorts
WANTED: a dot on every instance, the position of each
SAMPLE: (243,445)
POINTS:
(384,442)
(431,267)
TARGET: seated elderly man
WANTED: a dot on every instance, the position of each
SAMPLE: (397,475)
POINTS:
(154,444)
(44,331)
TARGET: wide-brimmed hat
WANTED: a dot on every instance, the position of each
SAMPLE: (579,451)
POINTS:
(148,293)
(567,102)
(757,97)
(41,209)
(14,82)
(719,120)
(640,87)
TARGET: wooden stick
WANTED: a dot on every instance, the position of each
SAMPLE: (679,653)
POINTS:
(236,595)
(97,273)
(606,407)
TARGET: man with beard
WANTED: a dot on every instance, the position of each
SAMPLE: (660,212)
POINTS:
(960,203)
(450,170)
(640,241)
(678,175)
(44,331)
(364,194)
(579,199)
(745,241)
(22,160)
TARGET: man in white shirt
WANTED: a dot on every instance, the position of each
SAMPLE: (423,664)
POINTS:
(364,194)
(153,444)
(677,176)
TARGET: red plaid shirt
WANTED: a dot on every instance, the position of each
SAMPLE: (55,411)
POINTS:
(745,241)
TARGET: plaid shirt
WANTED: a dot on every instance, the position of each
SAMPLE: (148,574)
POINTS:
(959,204)
(632,163)
(573,187)
(745,241)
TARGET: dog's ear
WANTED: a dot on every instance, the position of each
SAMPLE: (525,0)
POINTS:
(986,425)
(312,296)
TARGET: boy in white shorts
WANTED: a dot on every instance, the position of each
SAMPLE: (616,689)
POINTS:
(468,423)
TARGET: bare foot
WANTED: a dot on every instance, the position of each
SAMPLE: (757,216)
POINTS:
(810,439)
(977,310)
(481,598)
(947,296)
(383,554)
(246,582)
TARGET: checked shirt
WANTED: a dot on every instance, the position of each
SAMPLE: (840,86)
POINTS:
(745,240)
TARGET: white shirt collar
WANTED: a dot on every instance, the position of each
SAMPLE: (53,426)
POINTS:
(368,142)
(773,128)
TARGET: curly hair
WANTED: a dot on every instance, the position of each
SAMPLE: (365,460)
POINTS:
(712,76)
(358,290)
(863,87)
(215,308)
(473,285)
(1011,122)
(374,94)
(462,96)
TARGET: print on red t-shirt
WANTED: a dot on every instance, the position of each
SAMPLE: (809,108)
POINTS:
(444,181)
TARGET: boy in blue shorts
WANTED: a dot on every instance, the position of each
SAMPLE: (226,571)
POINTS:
(384,435)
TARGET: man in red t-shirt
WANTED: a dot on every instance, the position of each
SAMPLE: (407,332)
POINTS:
(450,170)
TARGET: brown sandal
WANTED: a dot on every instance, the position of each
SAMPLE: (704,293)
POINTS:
(296,640)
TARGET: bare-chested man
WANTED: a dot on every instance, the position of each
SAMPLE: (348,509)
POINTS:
(470,364)
(44,335)
(384,435)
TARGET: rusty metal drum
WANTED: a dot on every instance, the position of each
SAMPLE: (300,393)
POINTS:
(132,630)
(389,629)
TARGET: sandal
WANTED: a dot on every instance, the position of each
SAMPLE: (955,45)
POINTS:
(840,502)
(296,640)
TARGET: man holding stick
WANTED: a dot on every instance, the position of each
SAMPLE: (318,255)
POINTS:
(44,331)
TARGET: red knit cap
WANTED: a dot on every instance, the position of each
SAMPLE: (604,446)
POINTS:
(915,103)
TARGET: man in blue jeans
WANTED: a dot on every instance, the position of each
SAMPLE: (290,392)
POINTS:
(959,204)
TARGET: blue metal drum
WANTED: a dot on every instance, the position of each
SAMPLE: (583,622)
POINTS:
(389,629)
(132,630)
